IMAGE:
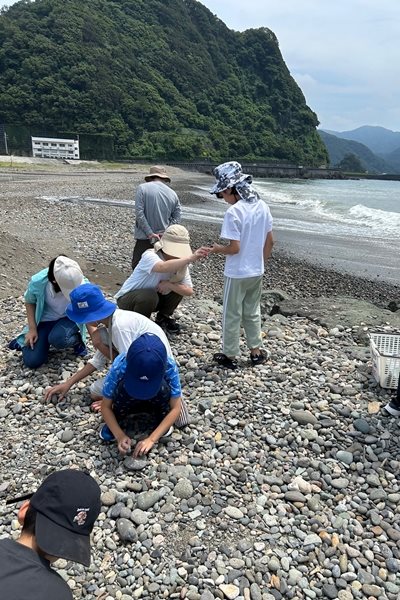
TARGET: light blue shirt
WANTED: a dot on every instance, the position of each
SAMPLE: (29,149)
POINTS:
(36,294)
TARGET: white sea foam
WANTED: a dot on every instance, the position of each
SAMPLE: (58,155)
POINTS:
(276,197)
(307,206)
(385,221)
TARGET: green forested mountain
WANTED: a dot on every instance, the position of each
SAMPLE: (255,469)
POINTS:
(393,160)
(165,78)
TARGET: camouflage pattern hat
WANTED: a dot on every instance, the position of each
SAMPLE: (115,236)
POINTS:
(228,174)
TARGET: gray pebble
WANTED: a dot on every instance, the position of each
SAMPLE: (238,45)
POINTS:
(183,489)
(303,417)
(126,530)
(134,464)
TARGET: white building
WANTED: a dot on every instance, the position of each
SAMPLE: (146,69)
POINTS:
(55,148)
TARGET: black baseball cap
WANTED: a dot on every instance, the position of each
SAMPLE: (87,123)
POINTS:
(67,505)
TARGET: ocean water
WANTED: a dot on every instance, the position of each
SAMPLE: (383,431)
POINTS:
(353,225)
(360,208)
(345,207)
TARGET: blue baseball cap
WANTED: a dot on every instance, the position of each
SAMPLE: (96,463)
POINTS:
(146,361)
(88,304)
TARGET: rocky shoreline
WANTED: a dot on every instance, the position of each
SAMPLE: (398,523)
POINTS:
(285,485)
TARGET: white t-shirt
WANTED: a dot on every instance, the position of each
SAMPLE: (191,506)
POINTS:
(249,223)
(55,304)
(142,277)
(126,327)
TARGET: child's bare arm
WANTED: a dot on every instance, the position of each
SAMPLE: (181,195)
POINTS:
(232,248)
(269,242)
(124,442)
(144,446)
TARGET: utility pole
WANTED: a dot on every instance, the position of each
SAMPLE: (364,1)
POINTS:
(5,142)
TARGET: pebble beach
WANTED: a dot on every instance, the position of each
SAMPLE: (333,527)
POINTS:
(285,484)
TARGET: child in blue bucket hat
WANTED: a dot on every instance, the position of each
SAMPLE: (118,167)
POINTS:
(116,332)
(247,226)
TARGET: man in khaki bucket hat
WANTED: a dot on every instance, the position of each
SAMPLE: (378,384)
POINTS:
(156,207)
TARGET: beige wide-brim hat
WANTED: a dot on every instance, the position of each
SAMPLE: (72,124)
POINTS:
(175,242)
(68,275)
(157,172)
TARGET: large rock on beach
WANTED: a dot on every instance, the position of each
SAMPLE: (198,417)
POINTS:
(334,311)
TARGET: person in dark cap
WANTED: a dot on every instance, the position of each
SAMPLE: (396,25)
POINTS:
(57,521)
(156,207)
(145,379)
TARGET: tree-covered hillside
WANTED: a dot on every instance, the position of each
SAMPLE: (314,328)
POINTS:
(165,78)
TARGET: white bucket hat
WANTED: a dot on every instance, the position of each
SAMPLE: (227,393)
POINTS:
(67,274)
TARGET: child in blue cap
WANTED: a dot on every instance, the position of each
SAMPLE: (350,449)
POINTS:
(143,379)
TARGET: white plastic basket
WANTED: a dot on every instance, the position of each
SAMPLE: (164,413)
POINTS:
(385,354)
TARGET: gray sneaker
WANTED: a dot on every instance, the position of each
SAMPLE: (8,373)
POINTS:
(393,408)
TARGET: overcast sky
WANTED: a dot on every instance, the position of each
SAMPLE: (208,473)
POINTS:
(344,54)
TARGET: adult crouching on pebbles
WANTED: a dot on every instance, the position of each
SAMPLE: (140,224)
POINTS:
(161,278)
(117,330)
(247,226)
(46,299)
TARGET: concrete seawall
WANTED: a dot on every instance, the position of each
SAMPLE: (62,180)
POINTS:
(267,170)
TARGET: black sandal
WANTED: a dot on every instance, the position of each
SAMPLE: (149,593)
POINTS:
(225,361)
(257,359)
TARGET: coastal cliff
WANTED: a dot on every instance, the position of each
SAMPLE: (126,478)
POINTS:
(162,79)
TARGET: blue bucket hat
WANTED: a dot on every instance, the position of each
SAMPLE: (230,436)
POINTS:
(88,304)
(228,175)
(146,361)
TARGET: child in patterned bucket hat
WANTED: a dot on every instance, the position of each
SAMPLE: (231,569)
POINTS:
(247,226)
(229,175)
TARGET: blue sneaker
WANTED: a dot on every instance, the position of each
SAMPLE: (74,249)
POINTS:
(105,434)
(14,345)
(80,349)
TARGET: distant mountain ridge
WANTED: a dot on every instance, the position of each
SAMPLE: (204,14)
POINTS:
(338,148)
(378,139)
(393,160)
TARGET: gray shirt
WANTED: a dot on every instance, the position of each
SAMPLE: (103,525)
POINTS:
(156,207)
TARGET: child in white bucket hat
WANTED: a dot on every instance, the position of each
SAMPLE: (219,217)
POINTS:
(46,299)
